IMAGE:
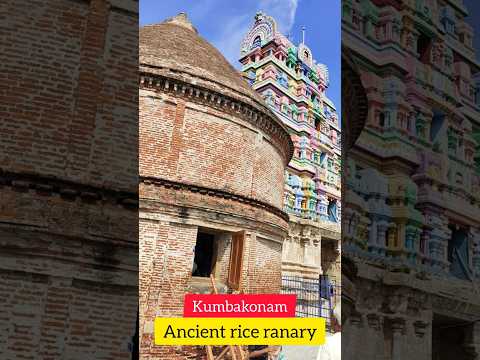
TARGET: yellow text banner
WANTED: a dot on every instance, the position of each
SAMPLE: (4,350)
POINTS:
(239,331)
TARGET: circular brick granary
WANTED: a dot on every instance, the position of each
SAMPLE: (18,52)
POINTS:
(212,161)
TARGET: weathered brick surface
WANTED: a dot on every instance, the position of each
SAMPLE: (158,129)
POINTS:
(173,133)
(265,262)
(223,258)
(68,91)
(169,269)
(68,179)
(190,204)
(49,246)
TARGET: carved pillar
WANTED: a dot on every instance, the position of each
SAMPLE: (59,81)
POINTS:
(369,26)
(424,241)
(381,236)
(375,324)
(411,243)
(352,351)
(409,37)
(396,30)
(420,328)
(474,240)
(438,244)
(398,327)
(388,31)
(391,236)
(422,342)
(472,341)
(372,234)
(410,238)
(322,205)
(399,242)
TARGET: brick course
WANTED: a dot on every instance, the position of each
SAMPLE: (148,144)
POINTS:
(69,106)
(173,133)
(68,179)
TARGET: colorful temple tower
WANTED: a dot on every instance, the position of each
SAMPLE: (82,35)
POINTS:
(411,218)
(293,85)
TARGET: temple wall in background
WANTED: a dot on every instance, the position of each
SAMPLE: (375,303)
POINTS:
(411,215)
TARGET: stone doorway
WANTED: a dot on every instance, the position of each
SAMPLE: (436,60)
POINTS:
(211,256)
(330,258)
(449,338)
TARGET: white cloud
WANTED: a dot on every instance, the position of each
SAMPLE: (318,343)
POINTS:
(231,36)
(283,11)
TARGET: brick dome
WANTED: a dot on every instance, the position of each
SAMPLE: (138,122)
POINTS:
(174,49)
(212,172)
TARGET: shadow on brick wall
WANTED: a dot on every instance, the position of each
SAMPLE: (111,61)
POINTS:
(69,179)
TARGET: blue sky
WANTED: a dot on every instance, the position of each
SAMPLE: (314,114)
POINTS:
(225,22)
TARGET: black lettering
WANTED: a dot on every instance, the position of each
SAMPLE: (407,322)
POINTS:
(169,332)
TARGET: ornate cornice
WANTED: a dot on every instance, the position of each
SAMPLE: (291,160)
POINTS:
(263,119)
(148,180)
(69,190)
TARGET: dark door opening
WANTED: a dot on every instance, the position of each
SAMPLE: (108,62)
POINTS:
(424,44)
(318,124)
(448,338)
(203,262)
(381,119)
(458,253)
(438,121)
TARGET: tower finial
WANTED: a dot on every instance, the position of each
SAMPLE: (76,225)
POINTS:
(182,20)
(303,35)
(259,15)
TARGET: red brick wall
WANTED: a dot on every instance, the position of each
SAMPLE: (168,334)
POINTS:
(223,257)
(71,91)
(170,220)
(268,181)
(264,266)
(68,167)
(156,129)
(178,203)
(166,258)
(65,294)
(196,144)
(54,317)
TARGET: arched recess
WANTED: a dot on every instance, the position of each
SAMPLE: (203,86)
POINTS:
(354,102)
(354,116)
